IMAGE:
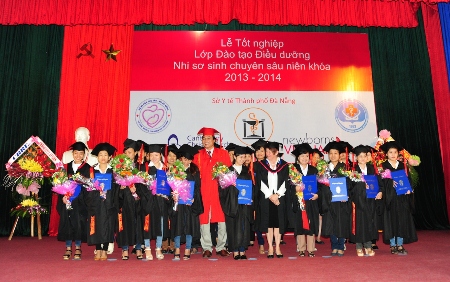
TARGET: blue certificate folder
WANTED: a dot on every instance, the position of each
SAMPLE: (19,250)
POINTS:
(75,193)
(310,182)
(162,187)
(191,195)
(373,189)
(245,188)
(338,187)
(402,180)
(104,179)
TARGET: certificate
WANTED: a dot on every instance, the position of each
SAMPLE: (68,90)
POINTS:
(162,187)
(310,182)
(191,195)
(402,180)
(104,179)
(338,187)
(75,193)
(373,189)
(245,188)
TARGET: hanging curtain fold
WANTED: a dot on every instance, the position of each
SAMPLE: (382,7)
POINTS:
(360,13)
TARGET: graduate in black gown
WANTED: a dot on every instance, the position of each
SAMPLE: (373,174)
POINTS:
(336,215)
(305,212)
(184,219)
(272,184)
(316,156)
(129,231)
(102,209)
(72,222)
(364,210)
(399,225)
(260,154)
(146,201)
(237,216)
(159,216)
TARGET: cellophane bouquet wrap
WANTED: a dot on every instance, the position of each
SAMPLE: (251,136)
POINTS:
(353,175)
(296,178)
(176,177)
(323,172)
(224,175)
(64,186)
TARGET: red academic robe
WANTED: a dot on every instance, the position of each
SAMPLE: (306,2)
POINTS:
(209,186)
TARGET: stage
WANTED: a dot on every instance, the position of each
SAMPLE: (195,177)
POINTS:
(30,259)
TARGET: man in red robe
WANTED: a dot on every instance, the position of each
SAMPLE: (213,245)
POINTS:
(205,160)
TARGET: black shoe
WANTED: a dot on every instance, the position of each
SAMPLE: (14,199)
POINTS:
(280,256)
(237,257)
(282,242)
(270,256)
(320,242)
(243,257)
(374,247)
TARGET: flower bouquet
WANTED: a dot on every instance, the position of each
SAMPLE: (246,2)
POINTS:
(28,207)
(89,184)
(224,175)
(323,172)
(353,175)
(296,178)
(64,186)
(26,170)
(176,177)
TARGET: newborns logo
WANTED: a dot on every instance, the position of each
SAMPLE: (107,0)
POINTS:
(351,115)
(153,115)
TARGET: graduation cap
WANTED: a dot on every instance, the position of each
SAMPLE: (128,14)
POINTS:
(130,143)
(258,144)
(334,145)
(300,149)
(274,145)
(172,148)
(187,151)
(78,146)
(347,146)
(104,147)
(360,149)
(230,147)
(210,131)
(239,150)
(392,144)
(156,148)
(371,149)
(317,151)
(198,147)
(249,151)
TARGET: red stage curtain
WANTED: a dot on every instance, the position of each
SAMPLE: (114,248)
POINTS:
(362,13)
(440,86)
(94,92)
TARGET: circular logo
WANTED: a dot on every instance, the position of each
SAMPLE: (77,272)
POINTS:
(309,188)
(338,190)
(243,192)
(153,115)
(252,124)
(351,115)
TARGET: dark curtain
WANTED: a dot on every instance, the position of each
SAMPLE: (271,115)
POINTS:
(444,14)
(30,67)
(404,102)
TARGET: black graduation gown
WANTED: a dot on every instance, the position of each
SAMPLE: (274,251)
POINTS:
(160,208)
(102,214)
(336,215)
(311,208)
(398,219)
(72,223)
(237,217)
(363,216)
(184,220)
(262,204)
